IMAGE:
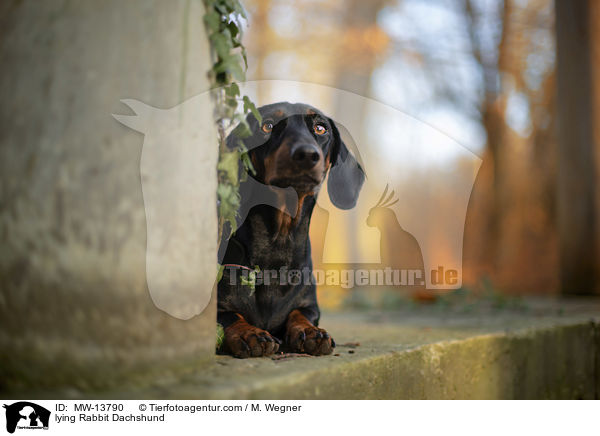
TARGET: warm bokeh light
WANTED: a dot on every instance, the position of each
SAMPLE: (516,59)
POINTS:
(473,80)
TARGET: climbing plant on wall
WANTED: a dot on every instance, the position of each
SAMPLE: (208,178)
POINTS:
(224,20)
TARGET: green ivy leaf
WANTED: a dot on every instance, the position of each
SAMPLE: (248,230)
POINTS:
(229,203)
(249,106)
(245,158)
(231,102)
(245,57)
(232,90)
(237,72)
(230,64)
(212,21)
(220,336)
(247,164)
(251,280)
(243,129)
(222,8)
(234,30)
(229,165)
(239,8)
(222,44)
(220,270)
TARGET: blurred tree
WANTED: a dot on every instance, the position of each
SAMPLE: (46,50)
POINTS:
(362,41)
(489,65)
(510,234)
(491,111)
(516,185)
(577,208)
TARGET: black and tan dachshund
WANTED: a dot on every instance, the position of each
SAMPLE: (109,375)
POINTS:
(294,146)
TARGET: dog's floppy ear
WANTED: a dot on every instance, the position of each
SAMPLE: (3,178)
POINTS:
(346,176)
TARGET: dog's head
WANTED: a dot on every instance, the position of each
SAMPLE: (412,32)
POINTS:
(295,145)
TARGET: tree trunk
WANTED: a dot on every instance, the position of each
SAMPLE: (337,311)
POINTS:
(576,179)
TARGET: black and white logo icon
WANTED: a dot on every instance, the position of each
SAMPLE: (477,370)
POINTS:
(26,415)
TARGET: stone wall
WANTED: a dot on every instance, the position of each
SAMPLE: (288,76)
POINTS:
(75,310)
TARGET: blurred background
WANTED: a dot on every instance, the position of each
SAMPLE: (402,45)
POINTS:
(484,74)
(437,98)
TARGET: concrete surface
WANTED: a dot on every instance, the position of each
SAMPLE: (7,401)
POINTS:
(540,350)
(74,303)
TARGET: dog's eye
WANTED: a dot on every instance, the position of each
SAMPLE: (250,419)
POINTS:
(320,129)
(267,127)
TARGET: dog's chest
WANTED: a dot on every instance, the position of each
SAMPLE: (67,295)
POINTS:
(270,251)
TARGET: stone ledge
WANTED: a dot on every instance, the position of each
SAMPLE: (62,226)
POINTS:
(552,362)
(544,352)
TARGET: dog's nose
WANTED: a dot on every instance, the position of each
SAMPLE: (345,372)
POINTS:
(306,156)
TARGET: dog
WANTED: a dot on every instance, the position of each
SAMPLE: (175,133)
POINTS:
(291,150)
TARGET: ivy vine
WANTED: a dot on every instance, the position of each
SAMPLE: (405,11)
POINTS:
(223,20)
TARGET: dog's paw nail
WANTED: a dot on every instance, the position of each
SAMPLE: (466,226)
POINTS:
(245,348)
(276,340)
(261,339)
(332,343)
(302,337)
(325,335)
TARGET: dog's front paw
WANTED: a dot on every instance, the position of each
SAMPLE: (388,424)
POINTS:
(245,340)
(310,339)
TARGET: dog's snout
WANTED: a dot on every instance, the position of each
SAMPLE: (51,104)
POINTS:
(306,155)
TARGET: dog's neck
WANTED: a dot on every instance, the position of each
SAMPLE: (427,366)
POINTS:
(287,220)
(283,224)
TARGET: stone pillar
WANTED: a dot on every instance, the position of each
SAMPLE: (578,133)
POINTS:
(75,311)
